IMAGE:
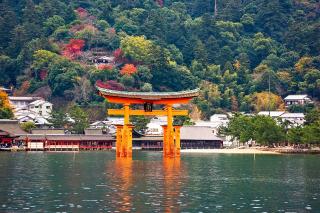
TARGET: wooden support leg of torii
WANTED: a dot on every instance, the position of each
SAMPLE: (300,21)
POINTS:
(171,149)
(124,136)
(171,136)
(118,140)
(177,140)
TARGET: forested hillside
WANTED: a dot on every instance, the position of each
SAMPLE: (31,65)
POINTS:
(231,52)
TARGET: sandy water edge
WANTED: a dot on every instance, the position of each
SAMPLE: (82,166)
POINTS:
(229,151)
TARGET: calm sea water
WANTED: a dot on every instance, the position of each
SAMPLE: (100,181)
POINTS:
(97,182)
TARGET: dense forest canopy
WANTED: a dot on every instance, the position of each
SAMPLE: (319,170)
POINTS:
(230,50)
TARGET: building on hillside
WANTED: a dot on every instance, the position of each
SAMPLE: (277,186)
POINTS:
(102,60)
(295,119)
(31,109)
(100,124)
(107,126)
(41,107)
(154,127)
(8,91)
(216,121)
(10,132)
(116,120)
(38,120)
(273,114)
(297,100)
(222,118)
(22,102)
(213,125)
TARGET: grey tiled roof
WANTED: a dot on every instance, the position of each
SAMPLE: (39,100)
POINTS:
(199,133)
(68,137)
(12,127)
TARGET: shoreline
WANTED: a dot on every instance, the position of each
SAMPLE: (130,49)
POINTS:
(272,151)
(230,151)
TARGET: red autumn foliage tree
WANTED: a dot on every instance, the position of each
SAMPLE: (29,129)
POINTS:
(118,55)
(105,67)
(43,74)
(160,2)
(82,13)
(112,31)
(73,49)
(128,69)
(113,85)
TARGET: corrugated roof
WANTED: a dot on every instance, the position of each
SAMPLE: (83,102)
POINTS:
(200,133)
(295,97)
(23,98)
(12,127)
(271,113)
(292,115)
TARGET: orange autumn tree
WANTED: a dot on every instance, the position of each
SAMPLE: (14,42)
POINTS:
(105,67)
(128,69)
(262,101)
(5,107)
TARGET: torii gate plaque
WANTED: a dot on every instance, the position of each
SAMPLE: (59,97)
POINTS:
(171,134)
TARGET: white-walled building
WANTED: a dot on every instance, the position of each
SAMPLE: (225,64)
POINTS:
(22,102)
(106,125)
(297,100)
(34,109)
(273,114)
(41,107)
(154,127)
(295,119)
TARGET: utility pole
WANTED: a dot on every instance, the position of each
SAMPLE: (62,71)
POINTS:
(269,92)
(215,8)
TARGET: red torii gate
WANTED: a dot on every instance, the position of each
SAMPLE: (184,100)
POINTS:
(171,134)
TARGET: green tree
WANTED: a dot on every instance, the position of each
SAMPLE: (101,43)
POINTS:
(240,127)
(312,116)
(58,119)
(137,48)
(81,120)
(295,135)
(8,70)
(267,131)
(28,126)
(182,120)
(140,123)
(53,23)
(311,133)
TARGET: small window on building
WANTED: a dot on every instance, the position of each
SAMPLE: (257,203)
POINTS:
(48,107)
(40,112)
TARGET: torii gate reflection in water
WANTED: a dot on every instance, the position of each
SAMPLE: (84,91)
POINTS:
(171,134)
